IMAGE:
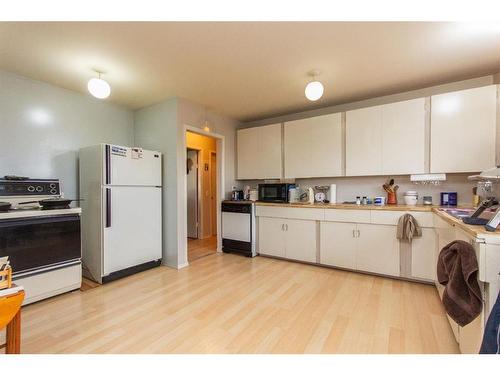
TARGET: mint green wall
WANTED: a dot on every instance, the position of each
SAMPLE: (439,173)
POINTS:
(43,126)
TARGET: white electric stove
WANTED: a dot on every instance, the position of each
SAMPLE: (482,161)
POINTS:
(44,246)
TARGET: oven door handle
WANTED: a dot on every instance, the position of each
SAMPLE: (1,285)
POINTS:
(108,207)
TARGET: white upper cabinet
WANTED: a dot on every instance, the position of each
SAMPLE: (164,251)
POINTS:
(403,137)
(463,130)
(313,147)
(259,152)
(364,142)
(386,139)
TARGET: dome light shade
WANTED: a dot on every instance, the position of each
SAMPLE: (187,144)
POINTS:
(99,88)
(314,90)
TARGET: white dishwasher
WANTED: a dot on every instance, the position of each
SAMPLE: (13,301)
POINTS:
(238,227)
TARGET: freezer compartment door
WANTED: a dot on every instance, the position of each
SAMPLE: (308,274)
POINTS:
(132,226)
(130,166)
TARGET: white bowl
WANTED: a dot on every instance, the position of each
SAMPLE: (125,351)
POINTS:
(410,200)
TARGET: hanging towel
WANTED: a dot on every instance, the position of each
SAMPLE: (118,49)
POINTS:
(491,337)
(457,270)
(408,228)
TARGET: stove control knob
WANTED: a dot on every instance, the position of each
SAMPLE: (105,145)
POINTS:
(31,188)
(39,189)
(52,186)
(53,191)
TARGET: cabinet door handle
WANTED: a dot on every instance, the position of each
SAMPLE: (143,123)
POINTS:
(359,233)
(282,227)
(353,233)
(286,227)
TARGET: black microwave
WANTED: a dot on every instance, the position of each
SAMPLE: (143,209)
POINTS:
(277,193)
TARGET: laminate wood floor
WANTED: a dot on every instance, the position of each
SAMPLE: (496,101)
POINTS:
(199,248)
(225,303)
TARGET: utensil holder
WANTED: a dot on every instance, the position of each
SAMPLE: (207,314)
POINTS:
(392,198)
(6,278)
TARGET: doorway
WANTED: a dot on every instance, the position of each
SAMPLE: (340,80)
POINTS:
(213,192)
(192,193)
(201,195)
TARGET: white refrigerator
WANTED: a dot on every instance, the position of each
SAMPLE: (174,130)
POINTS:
(121,210)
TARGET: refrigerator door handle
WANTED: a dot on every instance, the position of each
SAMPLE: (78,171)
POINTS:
(108,207)
(108,164)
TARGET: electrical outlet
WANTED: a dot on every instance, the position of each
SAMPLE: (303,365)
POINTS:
(234,188)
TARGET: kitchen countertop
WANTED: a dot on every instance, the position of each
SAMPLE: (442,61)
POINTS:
(475,230)
(347,206)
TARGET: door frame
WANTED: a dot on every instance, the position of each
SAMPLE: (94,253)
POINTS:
(182,186)
(198,191)
(213,153)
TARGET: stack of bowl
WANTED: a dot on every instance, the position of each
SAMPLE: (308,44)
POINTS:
(411,198)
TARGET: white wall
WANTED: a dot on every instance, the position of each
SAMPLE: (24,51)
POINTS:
(161,127)
(348,188)
(194,114)
(42,128)
(156,128)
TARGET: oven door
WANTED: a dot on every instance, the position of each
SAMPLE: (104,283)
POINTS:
(38,242)
(273,193)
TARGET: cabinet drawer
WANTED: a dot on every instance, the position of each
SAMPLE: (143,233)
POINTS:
(424,219)
(290,212)
(351,216)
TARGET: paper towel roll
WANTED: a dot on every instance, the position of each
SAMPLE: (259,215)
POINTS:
(333,194)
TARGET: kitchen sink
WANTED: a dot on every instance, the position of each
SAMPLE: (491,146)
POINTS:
(460,213)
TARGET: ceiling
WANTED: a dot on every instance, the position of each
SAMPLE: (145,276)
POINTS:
(249,70)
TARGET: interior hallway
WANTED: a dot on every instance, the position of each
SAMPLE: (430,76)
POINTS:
(199,248)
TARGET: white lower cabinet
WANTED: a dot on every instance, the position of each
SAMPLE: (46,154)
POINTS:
(423,262)
(300,240)
(338,244)
(288,238)
(271,237)
(378,249)
(363,247)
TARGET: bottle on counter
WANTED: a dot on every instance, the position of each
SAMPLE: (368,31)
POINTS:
(358,200)
(364,200)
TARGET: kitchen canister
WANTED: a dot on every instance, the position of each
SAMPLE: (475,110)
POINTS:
(333,194)
(411,198)
(253,195)
(449,198)
(379,201)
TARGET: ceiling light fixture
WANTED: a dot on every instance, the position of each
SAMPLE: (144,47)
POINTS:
(99,87)
(314,89)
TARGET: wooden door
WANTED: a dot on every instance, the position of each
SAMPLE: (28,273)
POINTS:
(213,193)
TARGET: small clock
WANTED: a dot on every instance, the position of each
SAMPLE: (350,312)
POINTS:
(320,196)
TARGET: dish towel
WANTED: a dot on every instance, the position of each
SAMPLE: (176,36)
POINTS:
(457,270)
(491,337)
(408,228)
